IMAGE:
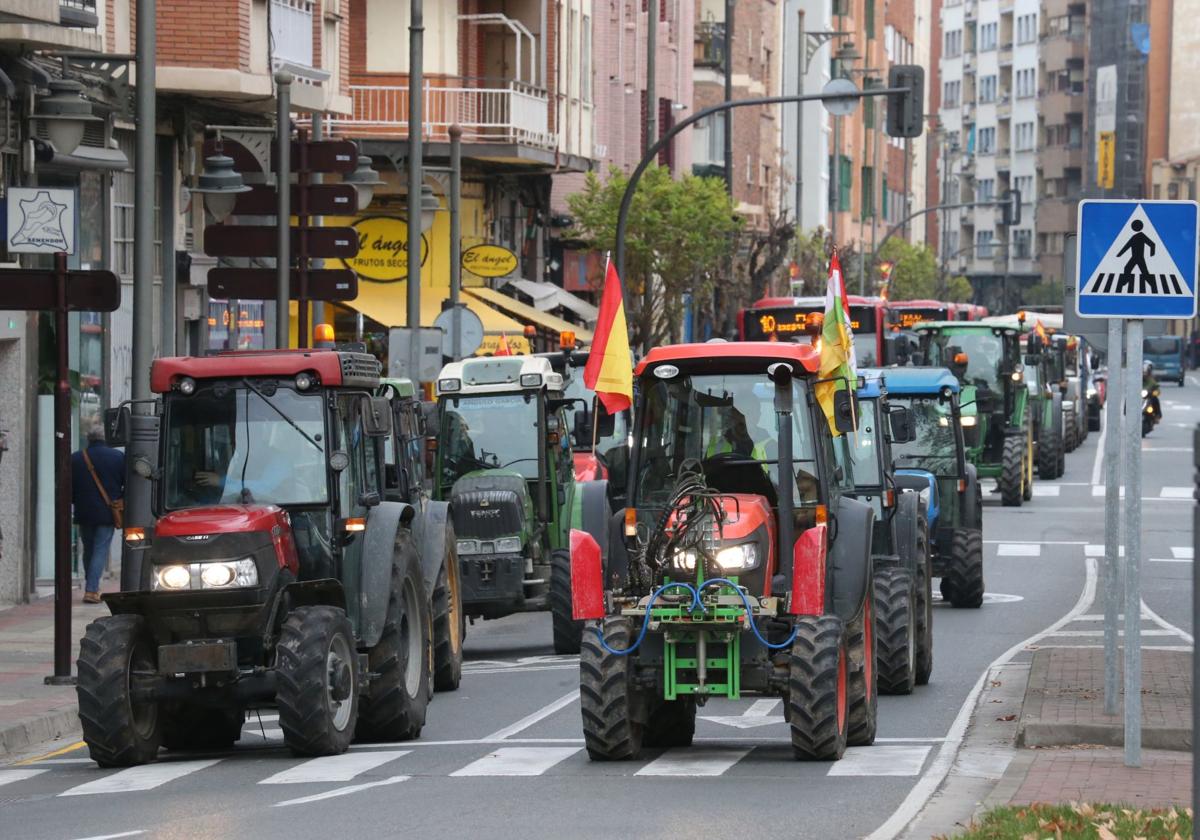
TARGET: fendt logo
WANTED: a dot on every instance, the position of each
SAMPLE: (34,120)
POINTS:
(485,514)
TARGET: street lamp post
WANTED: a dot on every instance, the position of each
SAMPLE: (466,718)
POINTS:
(146,37)
(847,54)
(416,126)
(807,43)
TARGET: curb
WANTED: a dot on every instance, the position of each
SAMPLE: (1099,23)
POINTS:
(23,734)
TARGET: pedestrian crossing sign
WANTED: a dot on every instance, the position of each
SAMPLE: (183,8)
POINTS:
(1137,259)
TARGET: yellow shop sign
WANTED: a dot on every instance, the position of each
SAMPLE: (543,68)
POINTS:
(489,261)
(383,249)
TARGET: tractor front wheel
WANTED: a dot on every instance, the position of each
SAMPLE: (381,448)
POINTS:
(612,726)
(449,621)
(672,724)
(962,584)
(568,633)
(120,731)
(1012,471)
(1049,453)
(896,649)
(818,691)
(317,670)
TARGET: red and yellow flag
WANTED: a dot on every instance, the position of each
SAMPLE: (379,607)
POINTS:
(502,348)
(609,369)
(1041,331)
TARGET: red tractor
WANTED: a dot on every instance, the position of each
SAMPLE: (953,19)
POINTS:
(274,572)
(739,565)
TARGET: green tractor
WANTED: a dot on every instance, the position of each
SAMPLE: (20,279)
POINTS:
(986,359)
(504,465)
(1045,378)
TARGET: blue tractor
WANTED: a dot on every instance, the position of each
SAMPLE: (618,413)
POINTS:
(934,463)
(903,573)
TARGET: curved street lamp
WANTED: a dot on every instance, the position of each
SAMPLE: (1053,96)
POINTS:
(364,179)
(65,114)
(220,184)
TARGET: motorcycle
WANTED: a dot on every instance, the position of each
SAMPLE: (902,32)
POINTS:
(1151,409)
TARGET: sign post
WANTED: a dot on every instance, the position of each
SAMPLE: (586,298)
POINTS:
(1135,260)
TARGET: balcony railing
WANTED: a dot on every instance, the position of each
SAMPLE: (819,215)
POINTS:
(709,44)
(81,13)
(514,113)
(292,32)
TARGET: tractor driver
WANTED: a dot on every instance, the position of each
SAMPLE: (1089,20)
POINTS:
(735,435)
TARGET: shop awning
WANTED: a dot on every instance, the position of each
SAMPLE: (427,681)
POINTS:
(528,314)
(387,303)
(547,296)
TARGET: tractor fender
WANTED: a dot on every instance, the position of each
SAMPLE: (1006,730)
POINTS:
(850,558)
(618,556)
(375,579)
(323,592)
(907,528)
(592,513)
(1057,416)
(918,481)
(431,528)
(970,514)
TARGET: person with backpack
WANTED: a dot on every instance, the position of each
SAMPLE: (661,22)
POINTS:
(97,494)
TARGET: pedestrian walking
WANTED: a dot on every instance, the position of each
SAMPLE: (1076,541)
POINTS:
(97,494)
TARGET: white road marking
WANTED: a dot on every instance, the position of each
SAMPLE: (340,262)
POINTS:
(1175,493)
(1092,550)
(1099,491)
(1176,406)
(1170,560)
(517,761)
(471,742)
(1048,490)
(529,720)
(270,733)
(1098,461)
(880,761)
(935,774)
(1019,550)
(693,762)
(1182,552)
(330,794)
(65,761)
(333,768)
(8,777)
(1035,542)
(1090,633)
(115,836)
(146,777)
(760,713)
(1166,625)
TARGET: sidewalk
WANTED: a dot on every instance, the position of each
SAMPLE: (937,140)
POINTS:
(32,712)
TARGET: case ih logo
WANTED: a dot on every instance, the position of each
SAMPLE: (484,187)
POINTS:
(198,537)
(485,514)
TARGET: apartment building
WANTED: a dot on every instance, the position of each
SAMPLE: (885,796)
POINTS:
(989,109)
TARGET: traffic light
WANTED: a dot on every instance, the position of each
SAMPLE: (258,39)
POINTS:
(906,110)
(1010,207)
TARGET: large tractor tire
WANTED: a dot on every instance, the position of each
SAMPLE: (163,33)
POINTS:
(1071,438)
(119,731)
(607,696)
(924,610)
(1049,453)
(568,633)
(818,691)
(393,709)
(962,584)
(1027,487)
(863,684)
(191,728)
(1012,471)
(449,621)
(672,724)
(896,624)
(317,670)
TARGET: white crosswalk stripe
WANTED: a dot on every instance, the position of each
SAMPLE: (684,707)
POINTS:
(146,777)
(693,762)
(1175,493)
(1019,550)
(1182,552)
(1047,490)
(517,761)
(7,777)
(330,794)
(881,761)
(333,768)
(1099,490)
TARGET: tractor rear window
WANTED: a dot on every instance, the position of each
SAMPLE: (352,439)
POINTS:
(935,445)
(489,432)
(984,351)
(238,445)
(861,455)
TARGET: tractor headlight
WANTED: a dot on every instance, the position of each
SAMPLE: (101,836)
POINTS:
(1091,391)
(1068,403)
(228,575)
(1145,393)
(468,546)
(738,558)
(968,420)
(508,545)
(173,577)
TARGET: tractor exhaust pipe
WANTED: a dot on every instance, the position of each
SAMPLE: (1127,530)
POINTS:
(781,374)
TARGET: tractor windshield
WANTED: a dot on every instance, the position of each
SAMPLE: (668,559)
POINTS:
(727,424)
(488,432)
(984,351)
(241,445)
(861,456)
(935,444)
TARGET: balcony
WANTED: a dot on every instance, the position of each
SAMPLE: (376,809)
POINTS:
(50,24)
(1056,160)
(1056,215)
(292,39)
(1056,105)
(1004,107)
(1006,56)
(1061,50)
(709,45)
(1003,160)
(80,13)
(510,112)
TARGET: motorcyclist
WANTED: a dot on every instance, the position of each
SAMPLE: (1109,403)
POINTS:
(1150,386)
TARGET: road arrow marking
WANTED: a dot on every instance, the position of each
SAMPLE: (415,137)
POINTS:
(759,714)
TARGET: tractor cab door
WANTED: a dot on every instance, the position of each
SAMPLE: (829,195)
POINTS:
(404,456)
(560,474)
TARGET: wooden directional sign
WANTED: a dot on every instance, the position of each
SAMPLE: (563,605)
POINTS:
(323,200)
(259,284)
(260,240)
(87,291)
(323,155)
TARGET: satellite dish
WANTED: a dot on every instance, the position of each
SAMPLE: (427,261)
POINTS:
(470,331)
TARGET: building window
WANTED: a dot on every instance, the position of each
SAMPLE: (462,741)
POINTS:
(987,36)
(868,106)
(845,184)
(1026,83)
(985,190)
(951,91)
(987,89)
(869,17)
(987,141)
(983,244)
(953,44)
(585,60)
(1024,139)
(1027,29)
(1024,184)
(749,170)
(1022,241)
(867,197)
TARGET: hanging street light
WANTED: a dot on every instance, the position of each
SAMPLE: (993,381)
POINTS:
(220,184)
(364,179)
(429,206)
(65,114)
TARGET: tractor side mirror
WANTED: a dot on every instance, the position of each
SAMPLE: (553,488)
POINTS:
(903,428)
(896,349)
(607,423)
(579,429)
(845,411)
(377,416)
(116,426)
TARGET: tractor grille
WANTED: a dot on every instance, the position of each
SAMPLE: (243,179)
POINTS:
(486,507)
(205,547)
(360,370)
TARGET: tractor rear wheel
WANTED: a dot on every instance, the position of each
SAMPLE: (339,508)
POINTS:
(119,730)
(924,609)
(568,633)
(607,696)
(896,621)
(1070,430)
(317,671)
(962,584)
(1012,471)
(818,692)
(672,724)
(449,621)
(863,685)
(1049,451)
(393,709)
(192,728)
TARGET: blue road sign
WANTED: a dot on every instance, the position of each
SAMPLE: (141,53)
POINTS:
(1137,259)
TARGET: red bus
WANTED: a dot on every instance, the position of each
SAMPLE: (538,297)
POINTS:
(783,319)
(905,313)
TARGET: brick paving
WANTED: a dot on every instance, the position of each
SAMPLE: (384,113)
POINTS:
(1099,774)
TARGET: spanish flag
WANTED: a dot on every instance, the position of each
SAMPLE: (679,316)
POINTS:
(838,364)
(502,348)
(1040,329)
(609,369)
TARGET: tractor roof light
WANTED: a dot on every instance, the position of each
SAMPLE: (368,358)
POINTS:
(531,380)
(187,386)
(323,337)
(566,340)
(449,386)
(304,381)
(530,331)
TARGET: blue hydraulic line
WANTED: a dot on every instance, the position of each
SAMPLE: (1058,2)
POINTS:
(749,612)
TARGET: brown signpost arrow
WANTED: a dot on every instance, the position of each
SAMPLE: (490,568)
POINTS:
(259,284)
(323,200)
(259,241)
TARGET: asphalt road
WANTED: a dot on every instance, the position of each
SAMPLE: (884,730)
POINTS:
(503,756)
